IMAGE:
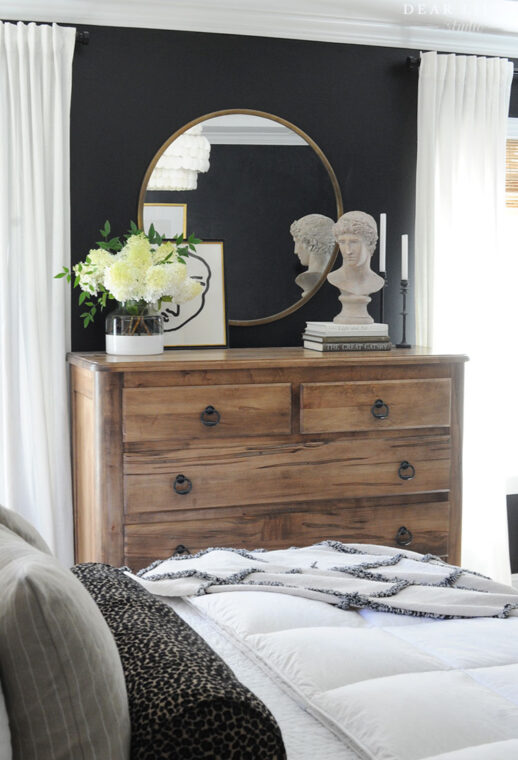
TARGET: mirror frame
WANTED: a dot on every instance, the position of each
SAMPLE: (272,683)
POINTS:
(334,182)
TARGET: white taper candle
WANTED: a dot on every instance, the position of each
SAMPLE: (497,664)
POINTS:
(404,257)
(383,242)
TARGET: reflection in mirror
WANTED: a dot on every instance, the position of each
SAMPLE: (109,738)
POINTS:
(256,178)
(314,245)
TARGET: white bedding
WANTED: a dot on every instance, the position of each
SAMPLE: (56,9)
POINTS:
(346,575)
(305,738)
(393,687)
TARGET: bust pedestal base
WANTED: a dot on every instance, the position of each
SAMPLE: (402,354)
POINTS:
(354,310)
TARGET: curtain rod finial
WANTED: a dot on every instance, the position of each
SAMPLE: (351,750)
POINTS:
(82,37)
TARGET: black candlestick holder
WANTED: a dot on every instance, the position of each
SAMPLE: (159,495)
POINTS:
(404,289)
(382,297)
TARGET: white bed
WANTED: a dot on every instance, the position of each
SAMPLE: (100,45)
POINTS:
(349,684)
(305,737)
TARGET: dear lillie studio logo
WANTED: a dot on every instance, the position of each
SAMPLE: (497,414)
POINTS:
(458,16)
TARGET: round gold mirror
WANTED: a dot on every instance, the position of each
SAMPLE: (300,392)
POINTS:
(262,187)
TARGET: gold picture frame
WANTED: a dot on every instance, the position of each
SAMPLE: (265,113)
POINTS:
(168,219)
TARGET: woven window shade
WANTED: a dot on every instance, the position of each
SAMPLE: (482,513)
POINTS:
(511,174)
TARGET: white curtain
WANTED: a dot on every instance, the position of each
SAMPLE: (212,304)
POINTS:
(35,89)
(462,291)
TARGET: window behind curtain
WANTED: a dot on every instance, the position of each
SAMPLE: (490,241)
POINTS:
(511,175)
(511,274)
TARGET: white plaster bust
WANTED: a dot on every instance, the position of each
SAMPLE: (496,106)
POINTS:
(314,244)
(356,234)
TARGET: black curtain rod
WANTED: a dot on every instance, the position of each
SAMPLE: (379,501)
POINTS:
(82,38)
(413,63)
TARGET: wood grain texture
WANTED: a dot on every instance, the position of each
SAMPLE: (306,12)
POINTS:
(86,515)
(174,413)
(261,478)
(283,471)
(428,523)
(336,407)
(255,358)
(108,467)
(455,529)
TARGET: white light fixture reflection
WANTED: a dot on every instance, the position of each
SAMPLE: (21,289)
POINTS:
(179,165)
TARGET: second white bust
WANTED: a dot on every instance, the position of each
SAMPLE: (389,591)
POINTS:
(314,244)
(356,234)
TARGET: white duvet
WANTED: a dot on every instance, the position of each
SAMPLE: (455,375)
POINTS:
(393,687)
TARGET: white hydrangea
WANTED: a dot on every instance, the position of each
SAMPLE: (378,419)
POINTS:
(188,290)
(122,282)
(140,272)
(137,252)
(91,273)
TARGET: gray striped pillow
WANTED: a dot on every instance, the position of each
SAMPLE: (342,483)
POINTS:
(61,672)
(23,528)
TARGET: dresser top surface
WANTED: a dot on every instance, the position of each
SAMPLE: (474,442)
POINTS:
(235,358)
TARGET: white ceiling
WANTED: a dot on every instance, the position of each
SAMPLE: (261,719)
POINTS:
(486,27)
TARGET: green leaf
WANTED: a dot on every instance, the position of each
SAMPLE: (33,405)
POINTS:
(60,275)
(69,277)
(106,229)
(82,298)
(76,281)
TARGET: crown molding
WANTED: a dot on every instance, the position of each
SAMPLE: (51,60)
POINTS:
(245,129)
(251,136)
(233,18)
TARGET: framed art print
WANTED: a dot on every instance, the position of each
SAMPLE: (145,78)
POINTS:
(201,322)
(168,219)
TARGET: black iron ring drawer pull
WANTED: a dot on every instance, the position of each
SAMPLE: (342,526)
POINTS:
(380,410)
(181,549)
(404,536)
(210,416)
(182,485)
(406,471)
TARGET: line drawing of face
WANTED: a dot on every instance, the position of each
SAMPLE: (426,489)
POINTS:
(353,249)
(174,315)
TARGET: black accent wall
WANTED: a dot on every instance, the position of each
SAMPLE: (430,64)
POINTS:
(132,88)
(248,199)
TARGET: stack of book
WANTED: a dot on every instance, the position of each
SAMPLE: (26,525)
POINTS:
(331,336)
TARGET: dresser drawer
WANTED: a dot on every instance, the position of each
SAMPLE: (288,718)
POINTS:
(384,404)
(205,412)
(266,472)
(421,527)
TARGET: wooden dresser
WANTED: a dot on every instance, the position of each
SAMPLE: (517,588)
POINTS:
(265,448)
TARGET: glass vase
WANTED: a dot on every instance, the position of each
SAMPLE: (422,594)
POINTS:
(134,329)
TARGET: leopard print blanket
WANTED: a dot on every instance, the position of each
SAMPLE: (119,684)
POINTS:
(184,701)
